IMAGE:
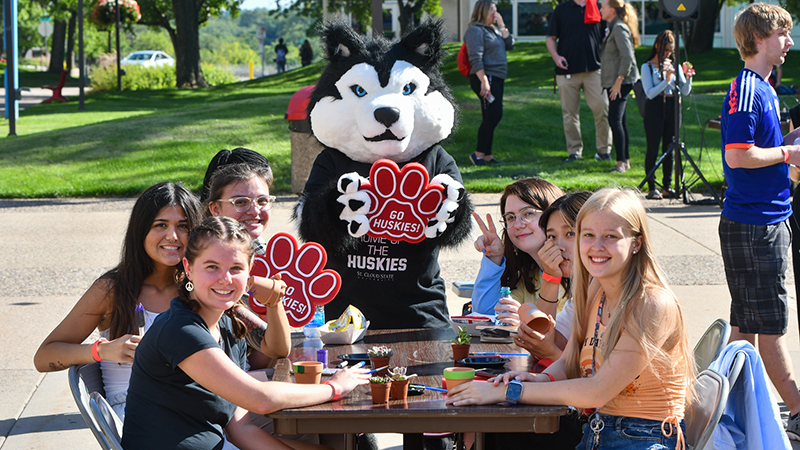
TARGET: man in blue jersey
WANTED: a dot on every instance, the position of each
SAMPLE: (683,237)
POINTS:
(754,232)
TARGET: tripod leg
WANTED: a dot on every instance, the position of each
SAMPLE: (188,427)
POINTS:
(658,163)
(700,174)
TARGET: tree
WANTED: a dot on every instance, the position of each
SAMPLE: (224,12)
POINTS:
(182,20)
(700,34)
(410,10)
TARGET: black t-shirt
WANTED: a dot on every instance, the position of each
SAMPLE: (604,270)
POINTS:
(166,409)
(395,284)
(578,42)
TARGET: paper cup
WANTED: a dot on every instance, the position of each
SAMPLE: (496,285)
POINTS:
(307,372)
(458,375)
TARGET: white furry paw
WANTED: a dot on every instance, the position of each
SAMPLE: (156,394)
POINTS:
(350,183)
(454,192)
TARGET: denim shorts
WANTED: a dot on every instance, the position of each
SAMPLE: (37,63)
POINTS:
(623,433)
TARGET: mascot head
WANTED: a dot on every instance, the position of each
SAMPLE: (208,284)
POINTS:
(381,100)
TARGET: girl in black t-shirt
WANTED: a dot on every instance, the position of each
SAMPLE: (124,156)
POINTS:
(187,384)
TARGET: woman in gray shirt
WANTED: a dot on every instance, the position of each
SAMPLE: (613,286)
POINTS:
(487,40)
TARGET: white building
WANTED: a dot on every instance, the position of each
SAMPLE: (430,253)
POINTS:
(528,20)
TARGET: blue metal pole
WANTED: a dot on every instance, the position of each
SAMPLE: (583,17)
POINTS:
(11,78)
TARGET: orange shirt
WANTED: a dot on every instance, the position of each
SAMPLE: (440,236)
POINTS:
(658,393)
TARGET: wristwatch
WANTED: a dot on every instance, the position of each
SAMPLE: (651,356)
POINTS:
(513,392)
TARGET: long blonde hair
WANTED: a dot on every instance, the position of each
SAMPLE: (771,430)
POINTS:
(642,281)
(627,14)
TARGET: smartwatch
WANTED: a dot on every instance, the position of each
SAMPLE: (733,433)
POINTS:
(513,392)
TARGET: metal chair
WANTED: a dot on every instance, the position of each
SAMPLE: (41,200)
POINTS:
(712,342)
(736,368)
(705,411)
(82,380)
(109,422)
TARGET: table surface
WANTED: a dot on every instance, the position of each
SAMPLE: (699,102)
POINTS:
(425,352)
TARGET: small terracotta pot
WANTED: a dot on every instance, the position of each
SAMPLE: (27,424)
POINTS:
(534,318)
(458,375)
(380,362)
(380,392)
(460,351)
(307,372)
(400,389)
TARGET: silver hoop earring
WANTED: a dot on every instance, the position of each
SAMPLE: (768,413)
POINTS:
(189,286)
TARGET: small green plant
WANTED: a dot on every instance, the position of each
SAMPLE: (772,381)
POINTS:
(463,337)
(380,380)
(380,351)
(399,374)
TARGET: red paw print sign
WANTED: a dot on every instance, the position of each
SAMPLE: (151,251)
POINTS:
(403,201)
(302,269)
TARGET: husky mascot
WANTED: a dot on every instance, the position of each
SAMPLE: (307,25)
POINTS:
(378,100)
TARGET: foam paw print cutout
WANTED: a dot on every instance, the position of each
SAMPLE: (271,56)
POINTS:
(398,204)
(308,283)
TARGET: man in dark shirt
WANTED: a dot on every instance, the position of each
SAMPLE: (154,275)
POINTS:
(575,48)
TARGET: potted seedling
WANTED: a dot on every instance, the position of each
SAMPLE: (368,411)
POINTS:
(400,383)
(461,344)
(379,357)
(380,389)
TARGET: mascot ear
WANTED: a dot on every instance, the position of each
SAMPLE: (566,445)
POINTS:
(341,41)
(423,44)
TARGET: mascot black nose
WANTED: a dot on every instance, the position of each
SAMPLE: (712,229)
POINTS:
(387,115)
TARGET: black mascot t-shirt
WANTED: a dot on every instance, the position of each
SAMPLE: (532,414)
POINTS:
(395,284)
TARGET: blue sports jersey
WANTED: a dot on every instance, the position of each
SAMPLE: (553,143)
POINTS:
(751,117)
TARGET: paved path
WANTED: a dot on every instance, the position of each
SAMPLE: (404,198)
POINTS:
(35,96)
(42,278)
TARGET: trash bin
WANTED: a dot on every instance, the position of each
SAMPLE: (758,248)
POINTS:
(305,147)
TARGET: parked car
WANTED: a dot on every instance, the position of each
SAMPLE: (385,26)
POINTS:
(148,58)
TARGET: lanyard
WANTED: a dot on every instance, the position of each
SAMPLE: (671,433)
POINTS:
(597,330)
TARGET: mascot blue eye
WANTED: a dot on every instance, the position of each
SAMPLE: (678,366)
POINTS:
(409,88)
(358,90)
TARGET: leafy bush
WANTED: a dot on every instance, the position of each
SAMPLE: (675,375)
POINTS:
(216,76)
(136,78)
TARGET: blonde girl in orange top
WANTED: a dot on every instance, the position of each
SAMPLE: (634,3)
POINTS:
(628,355)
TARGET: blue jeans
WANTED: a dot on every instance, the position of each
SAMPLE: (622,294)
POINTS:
(622,433)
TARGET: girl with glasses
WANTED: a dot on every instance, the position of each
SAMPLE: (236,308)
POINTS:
(513,259)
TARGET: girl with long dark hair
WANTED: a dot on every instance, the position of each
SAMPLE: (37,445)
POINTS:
(154,245)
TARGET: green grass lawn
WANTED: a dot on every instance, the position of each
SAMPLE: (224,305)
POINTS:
(127,141)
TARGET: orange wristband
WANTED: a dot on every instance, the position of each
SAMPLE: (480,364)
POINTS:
(337,390)
(785,155)
(547,277)
(95,354)
(552,378)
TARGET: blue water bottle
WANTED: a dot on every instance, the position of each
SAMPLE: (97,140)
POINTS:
(505,292)
(309,330)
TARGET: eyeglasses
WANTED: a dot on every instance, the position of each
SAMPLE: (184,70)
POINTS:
(242,204)
(526,216)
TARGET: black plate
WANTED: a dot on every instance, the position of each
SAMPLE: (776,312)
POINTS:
(489,362)
(416,390)
(354,358)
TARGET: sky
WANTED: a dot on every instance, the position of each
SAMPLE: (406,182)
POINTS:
(253,4)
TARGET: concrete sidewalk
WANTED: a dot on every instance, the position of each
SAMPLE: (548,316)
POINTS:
(43,278)
(35,95)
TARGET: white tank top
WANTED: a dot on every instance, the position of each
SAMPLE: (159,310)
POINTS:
(116,376)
